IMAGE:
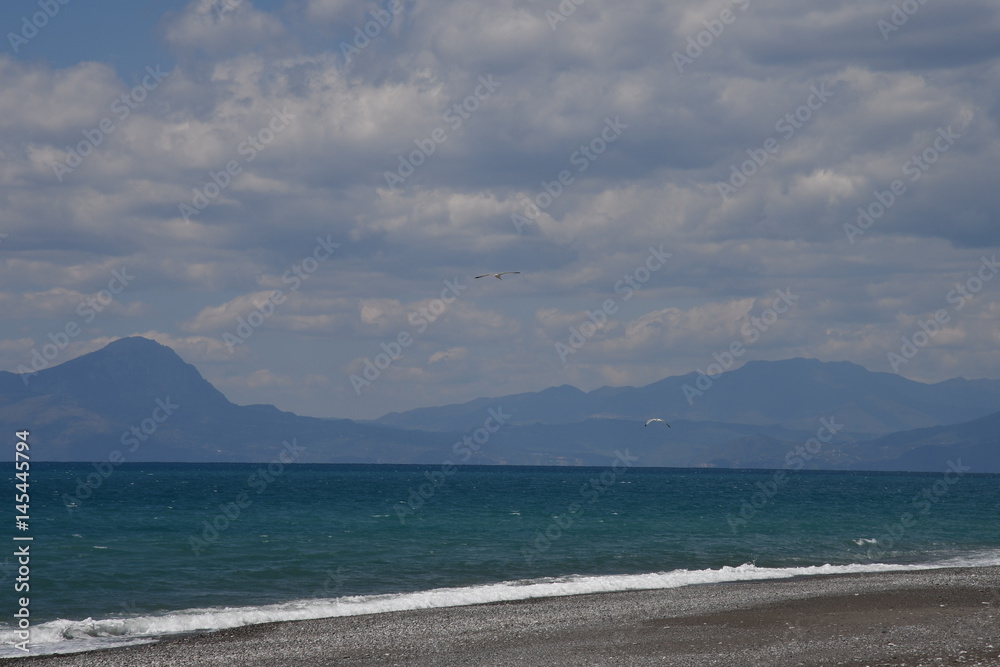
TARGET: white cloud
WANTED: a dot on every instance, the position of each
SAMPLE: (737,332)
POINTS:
(218,27)
(656,184)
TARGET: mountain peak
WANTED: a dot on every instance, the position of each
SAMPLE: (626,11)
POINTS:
(125,375)
(804,363)
(135,343)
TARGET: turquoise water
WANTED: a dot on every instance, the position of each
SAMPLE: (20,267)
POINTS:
(139,551)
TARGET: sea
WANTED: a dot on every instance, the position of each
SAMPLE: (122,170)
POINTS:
(133,552)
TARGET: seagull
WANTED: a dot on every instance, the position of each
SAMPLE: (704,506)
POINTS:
(656,420)
(497,275)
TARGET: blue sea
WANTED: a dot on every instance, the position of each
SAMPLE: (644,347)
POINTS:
(129,553)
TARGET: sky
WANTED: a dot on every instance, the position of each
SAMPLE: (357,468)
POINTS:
(296,195)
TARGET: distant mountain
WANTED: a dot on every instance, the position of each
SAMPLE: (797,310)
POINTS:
(793,393)
(976,444)
(691,444)
(687,444)
(126,377)
(140,399)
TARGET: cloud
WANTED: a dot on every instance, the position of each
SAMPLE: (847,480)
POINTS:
(220,27)
(533,147)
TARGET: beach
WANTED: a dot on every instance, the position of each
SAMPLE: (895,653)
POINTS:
(927,617)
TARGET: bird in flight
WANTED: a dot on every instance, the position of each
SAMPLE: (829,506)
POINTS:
(497,275)
(650,421)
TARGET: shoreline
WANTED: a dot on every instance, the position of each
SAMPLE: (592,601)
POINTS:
(925,617)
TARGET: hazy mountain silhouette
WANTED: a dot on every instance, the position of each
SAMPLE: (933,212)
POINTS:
(140,399)
(84,409)
(794,393)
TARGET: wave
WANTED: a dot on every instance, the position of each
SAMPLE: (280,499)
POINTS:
(66,636)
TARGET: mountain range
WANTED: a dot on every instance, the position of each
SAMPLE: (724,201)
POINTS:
(137,400)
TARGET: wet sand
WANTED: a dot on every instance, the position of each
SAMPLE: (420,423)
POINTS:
(933,617)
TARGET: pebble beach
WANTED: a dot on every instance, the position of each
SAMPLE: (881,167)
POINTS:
(931,617)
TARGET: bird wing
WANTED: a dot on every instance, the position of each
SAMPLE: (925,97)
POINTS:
(656,419)
(497,275)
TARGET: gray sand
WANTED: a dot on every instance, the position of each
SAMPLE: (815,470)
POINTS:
(936,617)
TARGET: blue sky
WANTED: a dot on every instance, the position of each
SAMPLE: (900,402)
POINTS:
(298,208)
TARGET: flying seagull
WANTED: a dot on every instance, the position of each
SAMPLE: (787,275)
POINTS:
(497,275)
(656,420)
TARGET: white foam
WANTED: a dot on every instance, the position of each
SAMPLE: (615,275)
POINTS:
(63,636)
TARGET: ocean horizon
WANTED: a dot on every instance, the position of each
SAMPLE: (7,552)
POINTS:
(138,551)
